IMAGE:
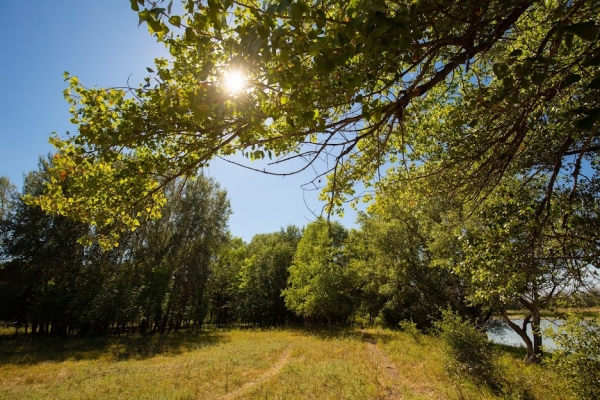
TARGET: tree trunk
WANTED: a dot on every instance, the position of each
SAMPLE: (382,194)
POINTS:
(537,336)
(533,308)
(522,332)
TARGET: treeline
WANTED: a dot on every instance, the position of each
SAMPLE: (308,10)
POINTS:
(413,256)
(155,279)
(185,270)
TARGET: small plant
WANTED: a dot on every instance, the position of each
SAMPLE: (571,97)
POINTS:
(467,350)
(577,355)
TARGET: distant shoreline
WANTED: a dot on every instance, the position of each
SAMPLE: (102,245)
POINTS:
(588,312)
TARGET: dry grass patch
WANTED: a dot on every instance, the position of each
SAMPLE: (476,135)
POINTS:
(254,364)
(167,369)
(326,367)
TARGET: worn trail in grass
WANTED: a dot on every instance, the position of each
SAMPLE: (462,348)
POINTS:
(274,370)
(247,364)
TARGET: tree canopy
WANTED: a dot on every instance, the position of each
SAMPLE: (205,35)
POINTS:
(458,93)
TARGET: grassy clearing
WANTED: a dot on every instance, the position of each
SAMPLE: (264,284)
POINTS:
(250,364)
(177,366)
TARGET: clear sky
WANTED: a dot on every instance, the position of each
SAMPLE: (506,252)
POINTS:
(99,41)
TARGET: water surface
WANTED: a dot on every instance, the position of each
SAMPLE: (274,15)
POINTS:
(510,337)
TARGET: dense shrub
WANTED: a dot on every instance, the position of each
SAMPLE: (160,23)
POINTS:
(467,350)
(577,356)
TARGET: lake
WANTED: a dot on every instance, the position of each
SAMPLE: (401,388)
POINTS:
(510,337)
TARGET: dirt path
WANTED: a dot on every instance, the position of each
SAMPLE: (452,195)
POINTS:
(275,369)
(384,364)
(396,381)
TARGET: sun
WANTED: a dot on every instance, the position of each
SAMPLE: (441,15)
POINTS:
(234,81)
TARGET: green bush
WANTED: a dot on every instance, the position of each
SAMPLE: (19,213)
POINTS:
(467,351)
(577,356)
(410,328)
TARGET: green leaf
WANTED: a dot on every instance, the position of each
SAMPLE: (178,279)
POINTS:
(377,114)
(586,123)
(516,53)
(308,114)
(500,69)
(149,69)
(381,29)
(508,82)
(592,61)
(297,10)
(314,49)
(569,40)
(585,30)
(571,79)
(164,74)
(366,113)
(595,84)
(190,35)
(538,78)
(283,4)
(175,20)
(134,5)
(144,16)
(156,11)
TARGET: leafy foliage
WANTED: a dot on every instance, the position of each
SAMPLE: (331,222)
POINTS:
(177,252)
(264,275)
(39,281)
(577,355)
(467,350)
(223,282)
(7,192)
(320,284)
(155,279)
(395,258)
(7,202)
(459,94)
(515,255)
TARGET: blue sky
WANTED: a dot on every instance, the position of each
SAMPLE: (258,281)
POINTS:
(100,42)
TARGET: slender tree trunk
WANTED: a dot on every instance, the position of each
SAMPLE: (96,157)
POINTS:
(522,332)
(537,336)
(534,309)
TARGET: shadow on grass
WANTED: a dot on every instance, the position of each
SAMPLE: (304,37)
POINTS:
(323,333)
(26,349)
(384,337)
(516,352)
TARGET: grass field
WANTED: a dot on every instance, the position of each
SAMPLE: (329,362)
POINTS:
(251,364)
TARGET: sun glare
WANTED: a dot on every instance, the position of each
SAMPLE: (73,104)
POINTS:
(234,81)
